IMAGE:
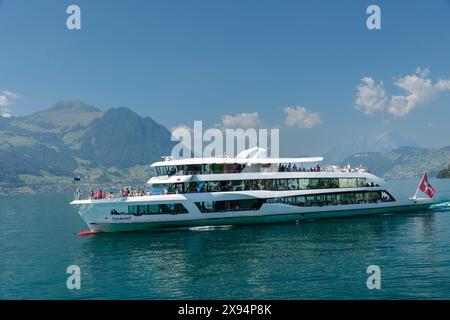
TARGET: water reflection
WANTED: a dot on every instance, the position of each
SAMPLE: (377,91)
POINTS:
(247,261)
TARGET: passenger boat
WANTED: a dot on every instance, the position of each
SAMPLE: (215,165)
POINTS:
(247,189)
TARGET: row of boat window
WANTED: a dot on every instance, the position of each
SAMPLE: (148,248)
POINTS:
(232,205)
(330,199)
(147,209)
(327,199)
(261,184)
(214,168)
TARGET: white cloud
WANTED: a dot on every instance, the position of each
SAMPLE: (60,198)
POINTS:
(443,85)
(420,90)
(6,100)
(371,97)
(425,72)
(245,120)
(182,126)
(301,117)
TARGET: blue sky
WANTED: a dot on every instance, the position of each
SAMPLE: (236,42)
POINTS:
(180,61)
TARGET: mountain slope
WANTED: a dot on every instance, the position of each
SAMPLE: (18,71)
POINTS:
(404,162)
(122,138)
(63,115)
(381,143)
(72,138)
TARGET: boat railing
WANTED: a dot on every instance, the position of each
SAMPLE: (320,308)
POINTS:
(78,195)
(191,173)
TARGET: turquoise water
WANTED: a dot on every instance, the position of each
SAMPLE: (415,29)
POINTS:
(325,259)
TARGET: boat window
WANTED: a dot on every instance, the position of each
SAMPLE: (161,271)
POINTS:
(213,186)
(347,183)
(385,196)
(313,183)
(361,182)
(303,184)
(237,185)
(293,184)
(233,205)
(217,168)
(170,208)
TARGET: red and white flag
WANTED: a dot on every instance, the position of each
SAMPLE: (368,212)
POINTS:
(426,187)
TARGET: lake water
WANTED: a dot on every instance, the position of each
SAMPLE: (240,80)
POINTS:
(324,259)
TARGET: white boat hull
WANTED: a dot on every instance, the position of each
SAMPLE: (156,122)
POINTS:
(99,219)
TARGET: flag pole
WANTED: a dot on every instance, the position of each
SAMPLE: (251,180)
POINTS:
(418,187)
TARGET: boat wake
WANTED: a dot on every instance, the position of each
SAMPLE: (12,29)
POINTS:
(209,228)
(441,206)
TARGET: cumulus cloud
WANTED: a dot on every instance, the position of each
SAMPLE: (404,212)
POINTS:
(443,85)
(182,126)
(6,100)
(301,117)
(371,97)
(420,90)
(245,120)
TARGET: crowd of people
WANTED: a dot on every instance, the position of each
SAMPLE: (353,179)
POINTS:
(294,168)
(124,192)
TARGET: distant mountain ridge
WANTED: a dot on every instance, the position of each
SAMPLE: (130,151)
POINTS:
(63,115)
(390,155)
(381,143)
(72,138)
(403,162)
(47,148)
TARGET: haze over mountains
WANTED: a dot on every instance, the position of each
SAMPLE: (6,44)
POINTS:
(48,148)
(381,143)
(72,138)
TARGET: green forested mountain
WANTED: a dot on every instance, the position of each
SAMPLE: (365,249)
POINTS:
(121,138)
(444,173)
(404,162)
(70,139)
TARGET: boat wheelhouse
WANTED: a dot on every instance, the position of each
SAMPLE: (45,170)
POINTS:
(249,188)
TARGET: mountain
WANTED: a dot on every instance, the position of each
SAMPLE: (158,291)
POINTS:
(63,115)
(404,162)
(444,173)
(381,143)
(47,148)
(121,138)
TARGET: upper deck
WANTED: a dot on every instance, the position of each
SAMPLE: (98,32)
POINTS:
(251,160)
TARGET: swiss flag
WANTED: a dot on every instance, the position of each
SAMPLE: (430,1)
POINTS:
(426,187)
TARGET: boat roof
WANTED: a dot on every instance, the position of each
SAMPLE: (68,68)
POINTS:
(214,160)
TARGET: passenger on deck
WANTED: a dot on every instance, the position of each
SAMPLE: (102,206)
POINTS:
(100,194)
(78,193)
